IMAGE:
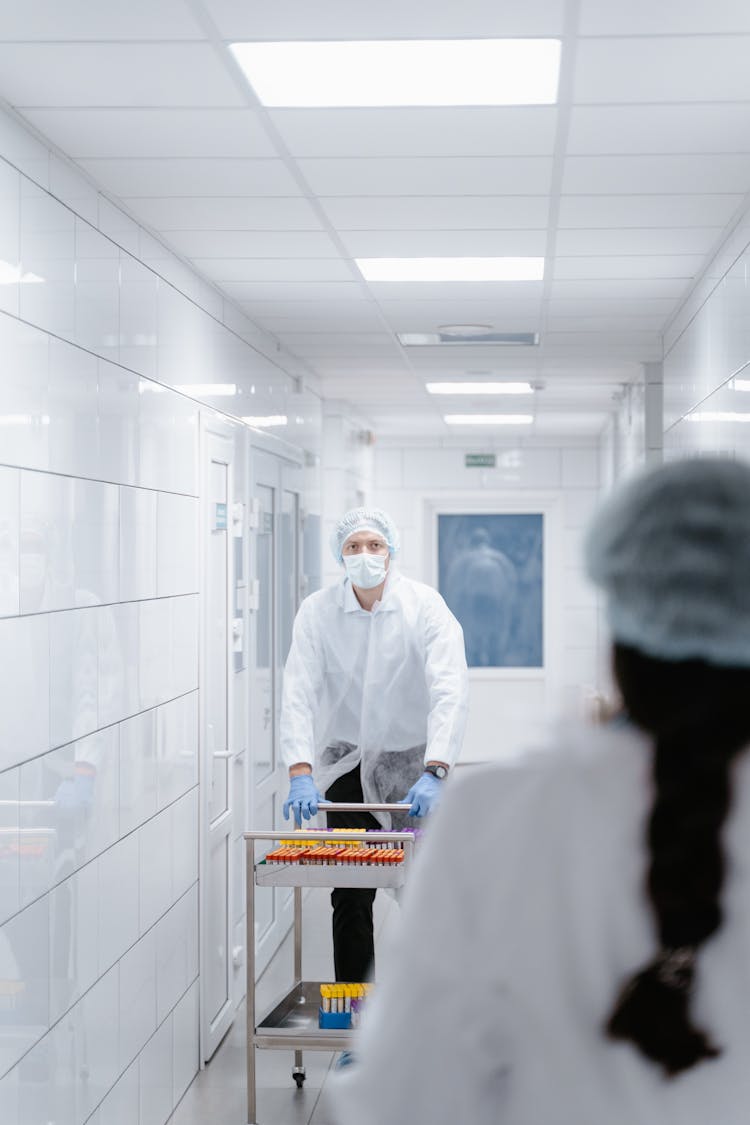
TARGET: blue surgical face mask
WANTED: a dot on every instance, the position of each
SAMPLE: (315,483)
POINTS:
(365,570)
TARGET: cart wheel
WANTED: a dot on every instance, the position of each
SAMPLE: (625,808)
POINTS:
(299,1077)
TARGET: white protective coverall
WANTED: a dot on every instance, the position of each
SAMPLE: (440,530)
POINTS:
(387,688)
(524,914)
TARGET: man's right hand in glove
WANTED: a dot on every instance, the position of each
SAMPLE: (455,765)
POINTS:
(303,798)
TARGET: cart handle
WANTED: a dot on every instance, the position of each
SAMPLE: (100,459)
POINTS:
(349,806)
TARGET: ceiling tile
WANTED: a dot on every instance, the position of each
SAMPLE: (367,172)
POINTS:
(252,244)
(225,214)
(189,177)
(647,210)
(274,269)
(523,175)
(620,288)
(78,20)
(359,319)
(128,133)
(279,291)
(677,17)
(696,240)
(445,243)
(629,266)
(676,69)
(659,128)
(605,323)
(341,343)
(389,19)
(409,132)
(612,307)
(438,212)
(655,175)
(114,74)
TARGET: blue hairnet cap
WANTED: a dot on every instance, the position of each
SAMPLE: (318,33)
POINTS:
(364,519)
(671,552)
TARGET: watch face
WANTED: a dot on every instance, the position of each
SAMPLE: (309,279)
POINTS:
(438,771)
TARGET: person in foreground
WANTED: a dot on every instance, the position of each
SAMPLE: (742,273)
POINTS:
(374,705)
(574,947)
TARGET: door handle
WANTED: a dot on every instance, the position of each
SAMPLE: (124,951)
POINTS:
(222,754)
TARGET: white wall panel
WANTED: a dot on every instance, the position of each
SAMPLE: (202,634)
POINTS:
(10,187)
(185,1028)
(138,770)
(73,663)
(118,901)
(185,843)
(118,684)
(69,549)
(24,956)
(139,326)
(47,253)
(137,998)
(176,748)
(24,689)
(24,422)
(72,409)
(155,860)
(177,545)
(176,952)
(97,292)
(156,1073)
(121,1105)
(118,409)
(137,543)
(74,938)
(9,844)
(9,541)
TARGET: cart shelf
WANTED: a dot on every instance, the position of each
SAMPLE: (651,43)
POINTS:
(292,1023)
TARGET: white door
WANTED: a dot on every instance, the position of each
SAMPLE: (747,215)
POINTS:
(277,572)
(216,726)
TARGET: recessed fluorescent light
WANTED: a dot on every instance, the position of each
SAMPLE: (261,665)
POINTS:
(486,338)
(212,389)
(262,421)
(718,416)
(480,388)
(740,384)
(418,72)
(488,419)
(24,419)
(451,269)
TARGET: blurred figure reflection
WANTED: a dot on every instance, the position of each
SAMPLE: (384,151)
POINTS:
(481,586)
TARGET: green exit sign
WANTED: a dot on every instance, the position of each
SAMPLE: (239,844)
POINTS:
(479,460)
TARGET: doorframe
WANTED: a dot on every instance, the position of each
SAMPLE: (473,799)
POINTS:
(211,423)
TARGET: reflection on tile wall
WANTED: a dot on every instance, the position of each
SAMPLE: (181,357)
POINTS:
(99,646)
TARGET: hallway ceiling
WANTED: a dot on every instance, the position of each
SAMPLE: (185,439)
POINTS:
(627,186)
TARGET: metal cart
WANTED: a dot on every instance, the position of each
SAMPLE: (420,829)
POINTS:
(292,1023)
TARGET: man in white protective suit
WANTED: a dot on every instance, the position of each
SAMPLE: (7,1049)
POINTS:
(374,705)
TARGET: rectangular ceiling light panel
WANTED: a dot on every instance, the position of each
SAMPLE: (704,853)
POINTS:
(414,72)
(473,339)
(451,269)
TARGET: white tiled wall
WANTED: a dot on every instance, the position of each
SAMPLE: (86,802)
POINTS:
(506,711)
(99,478)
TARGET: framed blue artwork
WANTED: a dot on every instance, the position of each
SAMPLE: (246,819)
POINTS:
(491,574)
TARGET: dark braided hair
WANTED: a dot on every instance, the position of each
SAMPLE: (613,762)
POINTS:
(698,716)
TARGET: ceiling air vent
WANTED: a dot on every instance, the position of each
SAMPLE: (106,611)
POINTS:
(468,334)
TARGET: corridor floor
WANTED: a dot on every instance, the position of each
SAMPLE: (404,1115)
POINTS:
(217,1095)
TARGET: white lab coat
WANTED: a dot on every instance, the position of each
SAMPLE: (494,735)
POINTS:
(388,688)
(524,913)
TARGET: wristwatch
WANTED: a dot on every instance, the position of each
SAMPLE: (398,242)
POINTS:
(437,771)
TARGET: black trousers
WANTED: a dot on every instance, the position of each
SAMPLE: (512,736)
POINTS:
(353,943)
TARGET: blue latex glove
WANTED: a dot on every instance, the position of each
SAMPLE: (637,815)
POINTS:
(424,795)
(303,798)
